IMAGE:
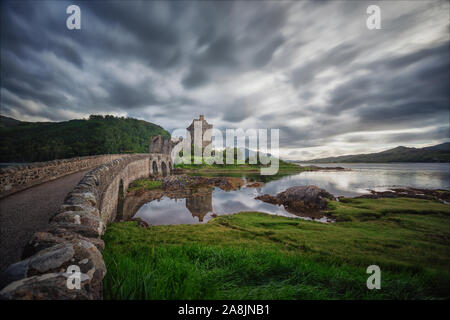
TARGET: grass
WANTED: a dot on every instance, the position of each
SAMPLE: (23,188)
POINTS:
(349,209)
(253,255)
(283,167)
(144,184)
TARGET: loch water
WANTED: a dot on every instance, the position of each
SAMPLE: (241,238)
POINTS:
(360,179)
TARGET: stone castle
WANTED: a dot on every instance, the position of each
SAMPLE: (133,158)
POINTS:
(207,139)
(161,145)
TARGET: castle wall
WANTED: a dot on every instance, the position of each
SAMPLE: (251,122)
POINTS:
(160,145)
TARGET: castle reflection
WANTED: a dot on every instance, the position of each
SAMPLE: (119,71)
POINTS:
(173,207)
(199,204)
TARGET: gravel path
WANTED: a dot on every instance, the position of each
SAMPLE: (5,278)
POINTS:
(28,211)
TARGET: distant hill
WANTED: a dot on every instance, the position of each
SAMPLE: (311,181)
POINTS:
(8,122)
(42,141)
(437,153)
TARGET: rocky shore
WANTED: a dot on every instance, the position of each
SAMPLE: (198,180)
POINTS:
(428,194)
(184,181)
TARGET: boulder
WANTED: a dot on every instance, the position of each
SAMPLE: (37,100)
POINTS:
(86,198)
(83,230)
(255,185)
(427,194)
(54,236)
(140,222)
(50,286)
(53,260)
(79,207)
(300,199)
(82,218)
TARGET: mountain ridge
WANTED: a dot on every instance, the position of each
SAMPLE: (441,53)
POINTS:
(436,153)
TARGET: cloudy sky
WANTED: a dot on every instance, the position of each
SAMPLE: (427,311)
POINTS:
(311,69)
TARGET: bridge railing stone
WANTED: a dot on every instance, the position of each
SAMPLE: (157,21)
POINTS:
(20,177)
(74,237)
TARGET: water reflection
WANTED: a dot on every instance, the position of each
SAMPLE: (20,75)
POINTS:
(378,176)
(201,205)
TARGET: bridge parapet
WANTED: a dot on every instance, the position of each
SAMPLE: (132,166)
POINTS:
(20,177)
(74,235)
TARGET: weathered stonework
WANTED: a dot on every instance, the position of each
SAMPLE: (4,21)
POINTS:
(205,126)
(160,145)
(74,233)
(18,178)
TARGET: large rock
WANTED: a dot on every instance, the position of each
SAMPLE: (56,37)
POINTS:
(50,286)
(141,223)
(82,218)
(86,198)
(56,260)
(428,194)
(54,236)
(300,199)
(79,207)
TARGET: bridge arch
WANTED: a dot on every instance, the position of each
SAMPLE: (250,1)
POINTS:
(164,169)
(154,168)
(120,200)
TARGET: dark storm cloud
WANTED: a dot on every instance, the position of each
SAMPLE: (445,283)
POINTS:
(227,51)
(404,91)
(264,55)
(238,110)
(195,78)
(342,54)
(152,33)
(126,96)
(151,36)
(438,133)
(311,69)
(418,90)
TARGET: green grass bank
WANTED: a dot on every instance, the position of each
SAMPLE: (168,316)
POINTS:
(253,255)
(284,167)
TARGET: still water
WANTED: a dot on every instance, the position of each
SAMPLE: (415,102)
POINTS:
(359,180)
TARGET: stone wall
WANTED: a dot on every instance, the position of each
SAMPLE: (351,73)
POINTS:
(162,146)
(18,178)
(74,235)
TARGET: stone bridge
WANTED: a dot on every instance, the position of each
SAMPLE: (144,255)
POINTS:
(61,209)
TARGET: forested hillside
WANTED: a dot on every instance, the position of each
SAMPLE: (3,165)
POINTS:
(42,141)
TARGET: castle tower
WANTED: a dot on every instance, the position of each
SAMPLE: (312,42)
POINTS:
(199,204)
(205,126)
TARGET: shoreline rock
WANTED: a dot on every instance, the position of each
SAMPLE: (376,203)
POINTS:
(300,199)
(178,182)
(255,185)
(427,194)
